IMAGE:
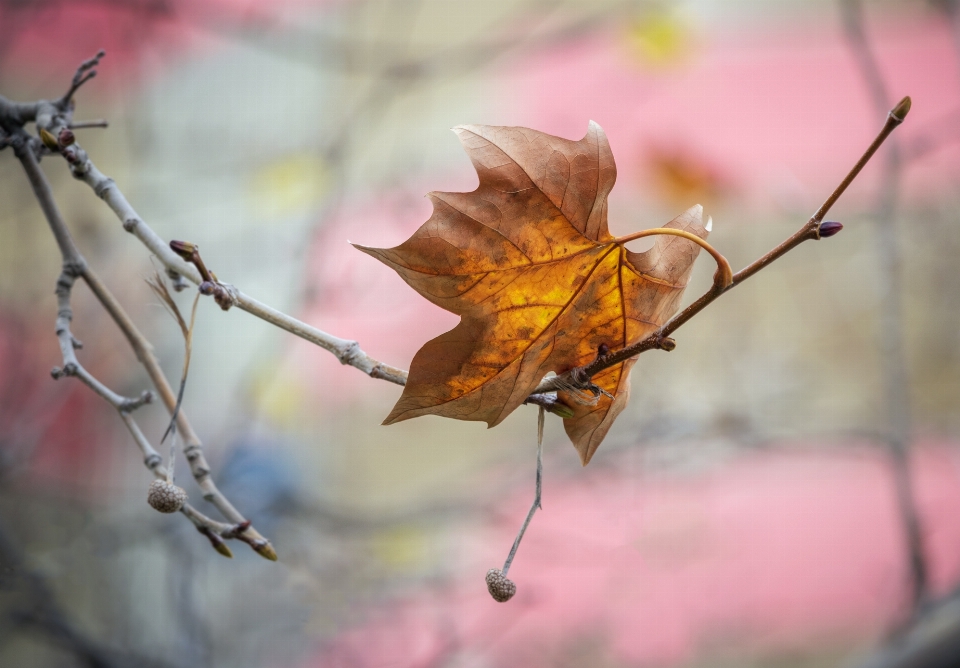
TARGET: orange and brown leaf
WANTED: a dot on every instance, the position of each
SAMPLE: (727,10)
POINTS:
(538,281)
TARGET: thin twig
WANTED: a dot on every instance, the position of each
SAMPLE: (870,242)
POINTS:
(83,74)
(347,351)
(159,288)
(536,497)
(97,123)
(580,376)
(75,266)
(896,400)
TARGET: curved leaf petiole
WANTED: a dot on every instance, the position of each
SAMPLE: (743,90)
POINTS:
(722,279)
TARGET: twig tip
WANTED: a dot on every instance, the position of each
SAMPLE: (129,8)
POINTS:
(265,550)
(900,111)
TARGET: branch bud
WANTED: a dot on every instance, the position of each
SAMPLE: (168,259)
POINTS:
(66,137)
(49,140)
(216,541)
(900,111)
(265,550)
(184,249)
(829,228)
(560,409)
(667,344)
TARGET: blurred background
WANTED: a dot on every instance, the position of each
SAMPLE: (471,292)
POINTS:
(781,490)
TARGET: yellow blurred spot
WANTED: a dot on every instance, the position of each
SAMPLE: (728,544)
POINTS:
(660,37)
(399,548)
(278,394)
(293,184)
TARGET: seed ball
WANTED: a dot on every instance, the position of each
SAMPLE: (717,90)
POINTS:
(500,587)
(165,496)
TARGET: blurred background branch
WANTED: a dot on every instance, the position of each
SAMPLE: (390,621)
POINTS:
(896,381)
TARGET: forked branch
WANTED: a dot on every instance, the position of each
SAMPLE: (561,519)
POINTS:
(75,266)
(54,119)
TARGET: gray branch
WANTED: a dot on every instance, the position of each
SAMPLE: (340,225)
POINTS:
(53,118)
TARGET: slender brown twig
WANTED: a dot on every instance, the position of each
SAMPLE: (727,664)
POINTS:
(811,230)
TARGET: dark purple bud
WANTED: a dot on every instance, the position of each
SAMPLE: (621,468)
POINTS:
(66,137)
(829,228)
(208,288)
(70,153)
(602,350)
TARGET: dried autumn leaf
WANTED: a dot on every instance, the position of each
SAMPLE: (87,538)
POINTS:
(527,261)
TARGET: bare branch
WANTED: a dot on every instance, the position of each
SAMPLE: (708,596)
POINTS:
(83,74)
(349,352)
(75,266)
(580,377)
(69,344)
(345,350)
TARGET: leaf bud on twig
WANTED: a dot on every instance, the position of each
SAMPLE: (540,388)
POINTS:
(66,137)
(264,549)
(900,111)
(829,228)
(49,140)
(184,249)
(216,541)
(667,344)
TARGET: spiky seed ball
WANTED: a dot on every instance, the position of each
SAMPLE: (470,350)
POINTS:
(165,496)
(500,587)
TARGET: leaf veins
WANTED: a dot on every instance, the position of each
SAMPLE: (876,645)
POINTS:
(538,281)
